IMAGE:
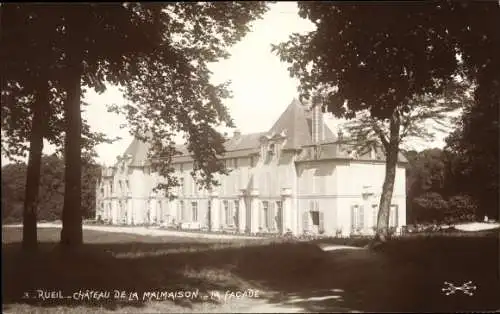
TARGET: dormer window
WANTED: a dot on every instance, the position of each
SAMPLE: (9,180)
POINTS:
(272,148)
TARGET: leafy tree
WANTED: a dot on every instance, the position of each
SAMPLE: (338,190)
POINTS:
(109,41)
(32,96)
(21,65)
(461,207)
(51,189)
(474,144)
(380,59)
(426,174)
(475,141)
(13,186)
(430,207)
(178,97)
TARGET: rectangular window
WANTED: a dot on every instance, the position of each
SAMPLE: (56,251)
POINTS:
(236,163)
(181,209)
(181,167)
(375,214)
(279,207)
(225,203)
(127,184)
(236,206)
(194,207)
(357,217)
(265,210)
(279,214)
(272,149)
(315,217)
(236,212)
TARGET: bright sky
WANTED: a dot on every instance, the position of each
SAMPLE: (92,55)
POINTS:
(261,85)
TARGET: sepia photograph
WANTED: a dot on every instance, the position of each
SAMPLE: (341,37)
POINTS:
(250,156)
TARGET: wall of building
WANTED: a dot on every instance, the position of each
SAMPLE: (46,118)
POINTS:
(332,187)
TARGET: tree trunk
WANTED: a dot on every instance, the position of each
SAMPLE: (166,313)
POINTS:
(391,152)
(71,234)
(31,200)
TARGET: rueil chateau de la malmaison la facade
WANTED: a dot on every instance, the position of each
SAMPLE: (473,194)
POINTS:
(298,177)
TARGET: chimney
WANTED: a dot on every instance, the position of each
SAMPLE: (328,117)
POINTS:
(317,120)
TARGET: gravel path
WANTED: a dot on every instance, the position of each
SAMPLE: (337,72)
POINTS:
(154,232)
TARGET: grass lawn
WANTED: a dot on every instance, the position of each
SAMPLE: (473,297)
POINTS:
(404,275)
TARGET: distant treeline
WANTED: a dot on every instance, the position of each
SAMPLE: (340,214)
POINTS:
(442,187)
(51,189)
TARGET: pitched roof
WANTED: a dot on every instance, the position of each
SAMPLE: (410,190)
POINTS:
(138,151)
(297,123)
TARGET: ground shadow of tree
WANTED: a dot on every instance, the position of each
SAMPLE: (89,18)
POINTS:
(404,276)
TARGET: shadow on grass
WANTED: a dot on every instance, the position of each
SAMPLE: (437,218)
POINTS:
(405,275)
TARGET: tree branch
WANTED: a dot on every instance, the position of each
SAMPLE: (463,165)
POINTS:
(380,133)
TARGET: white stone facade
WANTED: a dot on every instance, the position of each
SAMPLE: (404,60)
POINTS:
(284,180)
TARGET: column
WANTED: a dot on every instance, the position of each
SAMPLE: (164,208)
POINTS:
(254,211)
(287,211)
(215,212)
(242,214)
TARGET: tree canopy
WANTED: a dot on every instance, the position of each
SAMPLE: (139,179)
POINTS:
(51,189)
(128,44)
(381,58)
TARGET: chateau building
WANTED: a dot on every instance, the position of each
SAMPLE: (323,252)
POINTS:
(296,177)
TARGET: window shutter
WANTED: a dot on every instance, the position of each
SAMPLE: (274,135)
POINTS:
(375,215)
(321,222)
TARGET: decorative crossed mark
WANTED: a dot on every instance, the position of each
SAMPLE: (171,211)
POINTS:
(466,288)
